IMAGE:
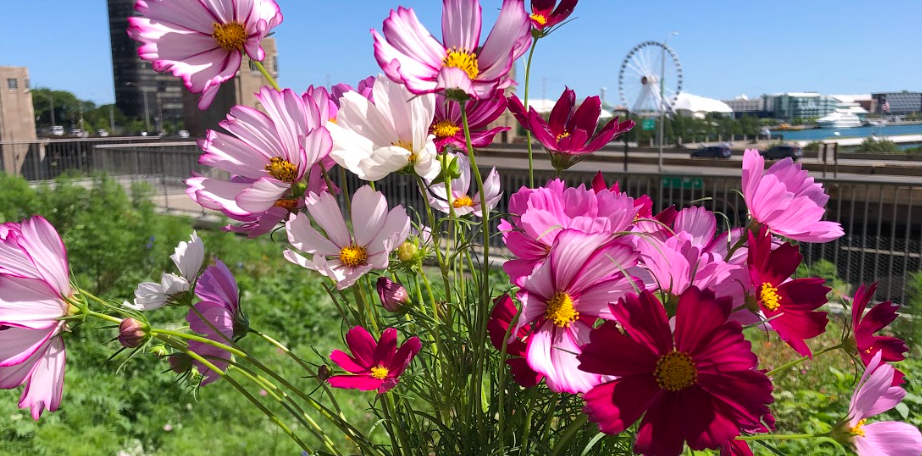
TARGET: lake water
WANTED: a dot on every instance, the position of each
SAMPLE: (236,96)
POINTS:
(817,134)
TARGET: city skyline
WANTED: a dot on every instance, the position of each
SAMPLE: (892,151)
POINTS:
(792,47)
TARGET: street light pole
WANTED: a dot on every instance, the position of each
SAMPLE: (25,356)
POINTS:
(662,93)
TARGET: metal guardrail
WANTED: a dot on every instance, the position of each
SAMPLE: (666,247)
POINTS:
(882,220)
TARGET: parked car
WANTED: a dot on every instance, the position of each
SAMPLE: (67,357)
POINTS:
(78,133)
(102,133)
(785,151)
(184,134)
(721,151)
(56,130)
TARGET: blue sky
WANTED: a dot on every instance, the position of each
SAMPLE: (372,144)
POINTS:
(727,47)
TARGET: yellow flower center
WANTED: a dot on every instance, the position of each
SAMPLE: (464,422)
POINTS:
(379,372)
(290,204)
(282,169)
(768,295)
(565,134)
(560,310)
(857,430)
(464,201)
(461,58)
(231,36)
(332,120)
(539,18)
(675,371)
(354,255)
(445,129)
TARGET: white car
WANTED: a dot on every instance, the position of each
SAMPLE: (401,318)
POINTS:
(102,133)
(184,134)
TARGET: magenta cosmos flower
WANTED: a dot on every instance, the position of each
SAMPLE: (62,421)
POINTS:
(789,305)
(341,254)
(501,316)
(864,325)
(539,215)
(448,128)
(202,42)
(365,88)
(34,293)
(268,157)
(564,297)
(461,199)
(786,200)
(408,53)
(373,365)
(569,135)
(223,320)
(545,17)
(698,386)
(874,395)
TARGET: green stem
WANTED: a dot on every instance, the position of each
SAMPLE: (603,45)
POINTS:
(750,438)
(568,434)
(800,360)
(266,75)
(531,167)
(502,381)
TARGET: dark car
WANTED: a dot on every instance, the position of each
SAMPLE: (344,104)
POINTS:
(779,152)
(712,152)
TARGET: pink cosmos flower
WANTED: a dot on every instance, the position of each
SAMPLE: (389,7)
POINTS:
(223,320)
(500,319)
(268,157)
(680,262)
(786,200)
(448,127)
(789,305)
(874,395)
(364,88)
(34,289)
(564,296)
(864,325)
(569,135)
(697,386)
(410,54)
(545,17)
(394,297)
(539,215)
(374,365)
(461,199)
(202,42)
(341,254)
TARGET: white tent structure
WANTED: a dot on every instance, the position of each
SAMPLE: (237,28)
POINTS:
(689,105)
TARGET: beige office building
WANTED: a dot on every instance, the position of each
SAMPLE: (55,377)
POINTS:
(239,91)
(17,118)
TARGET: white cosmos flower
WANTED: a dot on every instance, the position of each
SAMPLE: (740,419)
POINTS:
(188,258)
(462,200)
(373,140)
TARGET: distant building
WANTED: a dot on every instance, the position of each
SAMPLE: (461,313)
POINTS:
(689,105)
(799,105)
(17,117)
(238,91)
(743,106)
(899,103)
(140,92)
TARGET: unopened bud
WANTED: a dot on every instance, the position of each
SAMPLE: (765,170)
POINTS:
(323,373)
(159,351)
(407,251)
(132,333)
(180,363)
(393,295)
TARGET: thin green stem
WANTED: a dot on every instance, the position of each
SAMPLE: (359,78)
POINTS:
(531,167)
(751,438)
(568,434)
(791,364)
(266,75)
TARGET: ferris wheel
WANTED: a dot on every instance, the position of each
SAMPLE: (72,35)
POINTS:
(650,79)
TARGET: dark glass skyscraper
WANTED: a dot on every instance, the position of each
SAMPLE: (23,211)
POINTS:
(140,92)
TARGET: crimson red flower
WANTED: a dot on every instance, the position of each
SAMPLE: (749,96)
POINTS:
(544,16)
(500,319)
(374,365)
(698,386)
(569,135)
(865,325)
(789,305)
(448,128)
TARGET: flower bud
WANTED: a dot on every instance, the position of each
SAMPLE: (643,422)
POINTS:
(323,373)
(407,251)
(180,363)
(393,295)
(132,333)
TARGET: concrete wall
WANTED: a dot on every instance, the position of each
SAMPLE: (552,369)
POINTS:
(17,117)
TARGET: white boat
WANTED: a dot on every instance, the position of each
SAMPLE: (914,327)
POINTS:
(877,123)
(839,119)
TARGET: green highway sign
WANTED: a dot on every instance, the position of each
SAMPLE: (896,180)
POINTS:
(648,124)
(683,182)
